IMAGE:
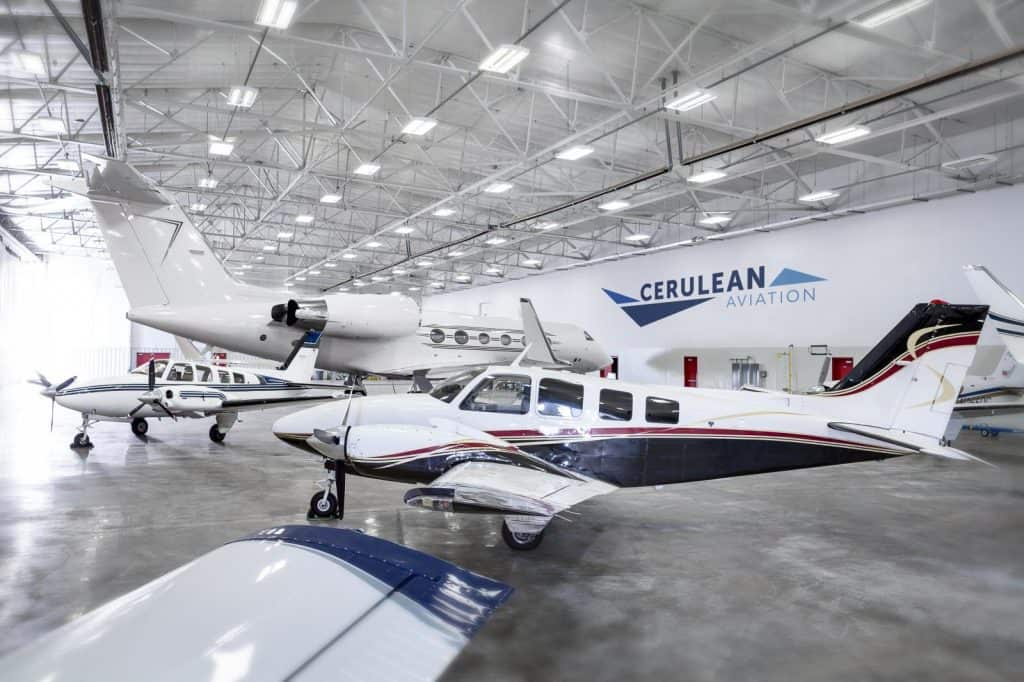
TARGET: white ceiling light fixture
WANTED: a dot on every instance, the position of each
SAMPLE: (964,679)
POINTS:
(414,288)
(637,237)
(504,58)
(495,241)
(405,229)
(242,96)
(456,254)
(304,219)
(716,218)
(444,212)
(399,271)
(329,264)
(374,245)
(820,195)
(969,162)
(197,207)
(396,293)
(221,148)
(613,205)
(348,255)
(285,235)
(706,176)
(574,153)
(48,125)
(691,100)
(247,266)
(888,12)
(424,263)
(314,272)
(30,62)
(357,283)
(300,278)
(209,182)
(419,126)
(532,262)
(498,187)
(289,284)
(547,225)
(493,270)
(367,169)
(437,285)
(259,257)
(276,13)
(843,135)
(270,247)
(330,199)
(463,278)
(380,278)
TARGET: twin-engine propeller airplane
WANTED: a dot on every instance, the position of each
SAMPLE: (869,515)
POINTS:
(176,283)
(164,388)
(530,443)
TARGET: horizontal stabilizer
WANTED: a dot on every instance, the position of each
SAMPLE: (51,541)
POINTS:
(915,442)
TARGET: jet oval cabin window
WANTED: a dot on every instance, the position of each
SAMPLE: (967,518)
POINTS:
(180,371)
(662,411)
(506,394)
(447,391)
(436,335)
(559,398)
(484,338)
(506,339)
(461,337)
(615,405)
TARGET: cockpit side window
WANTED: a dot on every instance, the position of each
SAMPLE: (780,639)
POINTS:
(180,371)
(559,398)
(158,368)
(447,391)
(225,377)
(239,378)
(204,373)
(504,393)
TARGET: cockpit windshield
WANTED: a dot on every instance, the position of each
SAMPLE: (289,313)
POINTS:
(158,365)
(454,385)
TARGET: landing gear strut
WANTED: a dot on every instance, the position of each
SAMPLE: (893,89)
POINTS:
(81,439)
(324,504)
(219,430)
(139,427)
(519,540)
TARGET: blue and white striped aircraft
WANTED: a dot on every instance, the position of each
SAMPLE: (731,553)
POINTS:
(171,389)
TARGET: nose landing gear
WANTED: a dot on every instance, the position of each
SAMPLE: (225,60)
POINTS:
(139,427)
(324,504)
(81,439)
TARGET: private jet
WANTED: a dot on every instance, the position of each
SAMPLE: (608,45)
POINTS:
(175,282)
(194,390)
(529,443)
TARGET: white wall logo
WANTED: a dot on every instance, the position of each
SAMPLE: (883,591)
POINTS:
(742,288)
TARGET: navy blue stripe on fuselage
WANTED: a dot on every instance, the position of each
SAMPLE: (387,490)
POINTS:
(1002,318)
(246,388)
(1011,332)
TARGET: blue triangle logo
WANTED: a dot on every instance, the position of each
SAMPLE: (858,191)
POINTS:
(788,277)
(645,314)
(619,298)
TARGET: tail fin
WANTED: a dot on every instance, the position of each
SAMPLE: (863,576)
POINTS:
(301,365)
(910,380)
(1005,308)
(159,254)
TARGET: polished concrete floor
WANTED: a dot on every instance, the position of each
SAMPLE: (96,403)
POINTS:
(906,569)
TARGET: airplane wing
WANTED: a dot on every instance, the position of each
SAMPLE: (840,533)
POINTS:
(291,602)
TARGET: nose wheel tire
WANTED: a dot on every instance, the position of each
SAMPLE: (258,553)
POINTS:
(216,435)
(520,541)
(140,426)
(323,506)
(81,440)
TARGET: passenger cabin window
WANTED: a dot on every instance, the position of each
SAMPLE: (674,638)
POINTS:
(204,373)
(436,335)
(505,394)
(239,378)
(615,405)
(180,371)
(662,411)
(506,339)
(225,377)
(461,337)
(559,398)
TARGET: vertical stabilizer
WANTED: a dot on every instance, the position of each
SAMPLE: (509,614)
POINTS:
(538,345)
(159,254)
(1005,308)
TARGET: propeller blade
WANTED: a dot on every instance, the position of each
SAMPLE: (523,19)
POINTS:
(64,384)
(136,409)
(164,408)
(348,406)
(53,404)
(152,374)
(41,381)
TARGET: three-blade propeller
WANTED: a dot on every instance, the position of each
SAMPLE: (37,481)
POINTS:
(51,391)
(152,396)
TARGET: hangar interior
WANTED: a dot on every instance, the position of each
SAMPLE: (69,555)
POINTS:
(738,195)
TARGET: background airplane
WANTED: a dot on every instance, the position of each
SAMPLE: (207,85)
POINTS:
(175,283)
(286,603)
(530,443)
(172,389)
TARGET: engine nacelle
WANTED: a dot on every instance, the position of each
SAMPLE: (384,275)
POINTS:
(364,316)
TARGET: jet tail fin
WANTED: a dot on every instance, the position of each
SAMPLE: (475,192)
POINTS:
(538,346)
(909,382)
(301,364)
(1005,308)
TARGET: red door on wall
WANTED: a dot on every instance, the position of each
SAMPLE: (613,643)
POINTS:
(690,371)
(143,358)
(841,367)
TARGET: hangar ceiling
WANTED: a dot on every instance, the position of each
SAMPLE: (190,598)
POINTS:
(289,204)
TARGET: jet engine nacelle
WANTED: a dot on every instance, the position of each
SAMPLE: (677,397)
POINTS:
(367,316)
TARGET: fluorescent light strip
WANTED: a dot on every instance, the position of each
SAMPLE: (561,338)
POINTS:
(894,10)
(843,135)
(815,197)
(498,187)
(504,58)
(691,100)
(444,212)
(419,126)
(242,96)
(706,176)
(277,13)
(367,169)
(574,153)
(613,205)
(330,199)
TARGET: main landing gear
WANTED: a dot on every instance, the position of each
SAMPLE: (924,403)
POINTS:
(521,536)
(220,428)
(324,504)
(81,439)
(139,427)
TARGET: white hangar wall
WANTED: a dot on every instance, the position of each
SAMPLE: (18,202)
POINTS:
(872,269)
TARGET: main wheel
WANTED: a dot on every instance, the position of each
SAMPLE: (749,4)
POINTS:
(520,541)
(216,435)
(81,440)
(140,426)
(323,507)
